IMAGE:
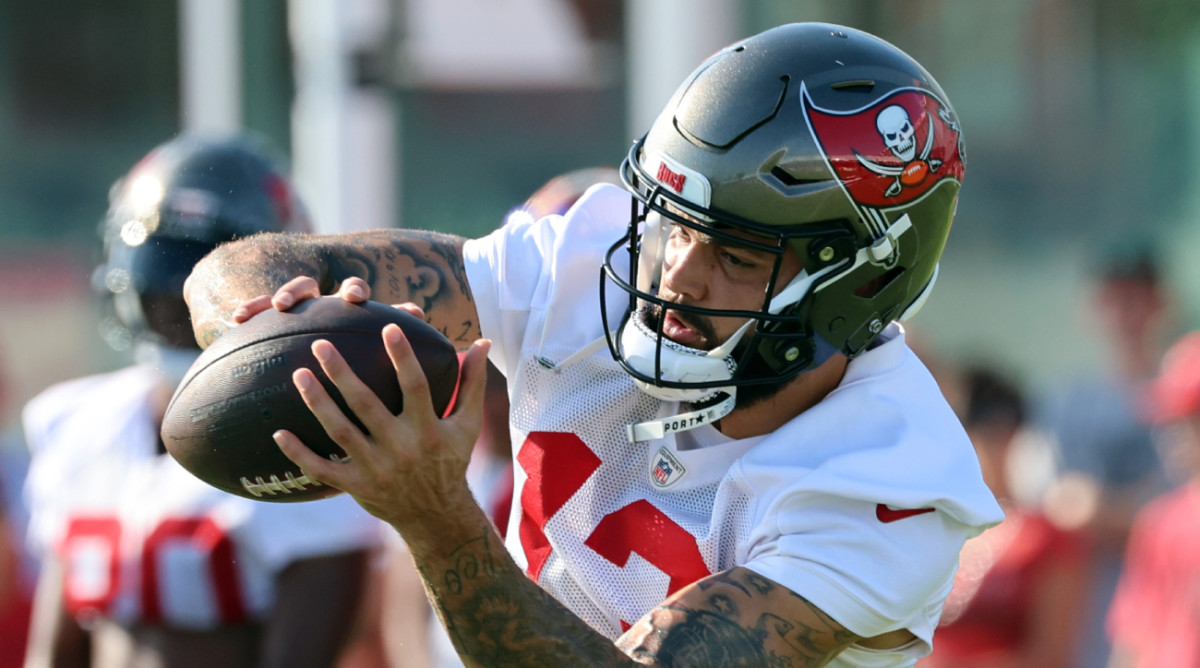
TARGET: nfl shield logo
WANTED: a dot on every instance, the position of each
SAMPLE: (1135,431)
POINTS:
(662,471)
(665,468)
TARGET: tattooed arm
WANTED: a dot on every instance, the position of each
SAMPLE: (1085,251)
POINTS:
(498,617)
(425,268)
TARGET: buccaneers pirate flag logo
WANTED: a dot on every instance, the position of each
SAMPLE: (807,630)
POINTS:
(892,151)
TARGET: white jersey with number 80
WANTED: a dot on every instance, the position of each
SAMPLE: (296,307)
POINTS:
(141,539)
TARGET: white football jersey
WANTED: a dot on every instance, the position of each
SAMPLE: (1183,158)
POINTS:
(143,540)
(860,504)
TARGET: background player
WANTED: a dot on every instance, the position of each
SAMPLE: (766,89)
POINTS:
(1105,463)
(1153,617)
(144,564)
(1021,585)
(790,204)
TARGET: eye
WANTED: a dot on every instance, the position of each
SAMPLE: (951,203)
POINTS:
(740,261)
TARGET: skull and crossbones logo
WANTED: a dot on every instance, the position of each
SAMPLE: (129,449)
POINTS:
(900,136)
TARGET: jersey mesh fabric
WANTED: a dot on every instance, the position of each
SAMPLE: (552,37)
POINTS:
(618,477)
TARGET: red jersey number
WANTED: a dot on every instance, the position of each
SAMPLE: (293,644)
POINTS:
(557,465)
(92,564)
(91,553)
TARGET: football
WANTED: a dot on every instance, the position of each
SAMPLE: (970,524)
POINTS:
(219,422)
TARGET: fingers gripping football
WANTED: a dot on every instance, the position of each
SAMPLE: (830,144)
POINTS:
(402,466)
(298,289)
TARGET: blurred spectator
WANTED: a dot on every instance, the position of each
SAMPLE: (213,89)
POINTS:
(1020,585)
(1105,459)
(1154,620)
(16,576)
(142,563)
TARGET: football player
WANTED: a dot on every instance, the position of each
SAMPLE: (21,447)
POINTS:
(1152,619)
(144,564)
(725,454)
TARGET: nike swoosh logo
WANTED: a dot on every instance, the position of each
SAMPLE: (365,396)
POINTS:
(888,515)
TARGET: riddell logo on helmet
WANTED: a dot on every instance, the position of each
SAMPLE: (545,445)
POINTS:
(669,178)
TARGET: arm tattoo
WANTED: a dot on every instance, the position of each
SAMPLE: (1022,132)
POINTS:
(417,266)
(498,617)
(400,266)
(735,625)
(451,256)
(707,638)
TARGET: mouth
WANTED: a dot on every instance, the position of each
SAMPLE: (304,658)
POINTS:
(692,335)
(679,331)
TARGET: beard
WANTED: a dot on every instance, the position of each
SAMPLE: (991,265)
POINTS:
(749,363)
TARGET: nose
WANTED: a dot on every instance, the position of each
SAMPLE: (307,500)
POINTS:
(687,268)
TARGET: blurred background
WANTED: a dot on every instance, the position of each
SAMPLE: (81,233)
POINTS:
(1080,116)
(1081,119)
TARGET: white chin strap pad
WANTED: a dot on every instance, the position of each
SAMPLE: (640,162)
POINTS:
(639,345)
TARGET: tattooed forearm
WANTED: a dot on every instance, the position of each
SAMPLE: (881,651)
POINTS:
(692,638)
(241,270)
(812,635)
(736,618)
(400,266)
(450,255)
(498,617)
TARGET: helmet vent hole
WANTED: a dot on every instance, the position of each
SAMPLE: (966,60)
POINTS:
(860,86)
(876,285)
(789,180)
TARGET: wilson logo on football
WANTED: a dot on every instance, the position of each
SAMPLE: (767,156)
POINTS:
(901,145)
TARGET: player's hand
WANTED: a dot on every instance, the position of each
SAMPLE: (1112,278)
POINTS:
(298,289)
(407,469)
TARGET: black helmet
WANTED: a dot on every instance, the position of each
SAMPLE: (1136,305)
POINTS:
(177,203)
(814,138)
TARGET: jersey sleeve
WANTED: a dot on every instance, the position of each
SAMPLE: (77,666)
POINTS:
(519,269)
(506,270)
(865,501)
(872,577)
(36,419)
